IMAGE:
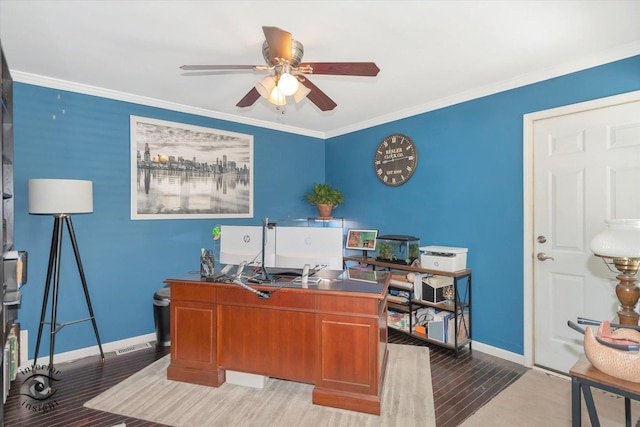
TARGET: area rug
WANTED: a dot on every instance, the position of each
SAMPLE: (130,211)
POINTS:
(539,398)
(407,399)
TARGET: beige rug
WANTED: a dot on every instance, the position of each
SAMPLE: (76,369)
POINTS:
(542,399)
(407,399)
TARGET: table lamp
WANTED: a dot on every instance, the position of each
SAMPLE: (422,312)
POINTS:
(61,198)
(619,246)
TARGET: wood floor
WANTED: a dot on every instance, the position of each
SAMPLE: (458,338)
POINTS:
(461,386)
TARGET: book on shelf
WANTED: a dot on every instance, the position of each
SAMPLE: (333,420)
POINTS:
(417,284)
(463,327)
(399,281)
(14,351)
(398,320)
(398,299)
(438,327)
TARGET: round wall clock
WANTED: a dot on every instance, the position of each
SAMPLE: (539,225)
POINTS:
(395,159)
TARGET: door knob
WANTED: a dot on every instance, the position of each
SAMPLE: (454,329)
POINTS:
(543,257)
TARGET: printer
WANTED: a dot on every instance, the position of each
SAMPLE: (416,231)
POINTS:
(443,258)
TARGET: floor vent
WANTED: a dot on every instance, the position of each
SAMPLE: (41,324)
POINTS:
(125,350)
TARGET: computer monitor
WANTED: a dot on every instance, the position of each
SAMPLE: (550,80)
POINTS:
(240,243)
(297,246)
(361,240)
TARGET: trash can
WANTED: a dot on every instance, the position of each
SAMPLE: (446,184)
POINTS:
(161,315)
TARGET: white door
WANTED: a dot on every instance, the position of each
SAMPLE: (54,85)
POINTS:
(586,168)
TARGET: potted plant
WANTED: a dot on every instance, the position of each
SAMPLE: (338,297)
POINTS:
(326,198)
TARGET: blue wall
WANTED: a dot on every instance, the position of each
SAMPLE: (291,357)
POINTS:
(468,188)
(466,192)
(61,134)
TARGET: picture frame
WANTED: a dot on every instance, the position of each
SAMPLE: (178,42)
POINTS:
(183,171)
(361,240)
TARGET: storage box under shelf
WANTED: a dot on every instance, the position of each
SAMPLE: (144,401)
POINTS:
(433,288)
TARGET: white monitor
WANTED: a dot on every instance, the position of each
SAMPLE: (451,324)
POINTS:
(243,243)
(297,246)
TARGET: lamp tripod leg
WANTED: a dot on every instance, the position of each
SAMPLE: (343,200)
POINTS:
(54,297)
(54,256)
(84,282)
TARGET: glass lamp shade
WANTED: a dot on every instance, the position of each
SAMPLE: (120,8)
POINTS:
(60,196)
(265,86)
(277,97)
(269,88)
(620,239)
(288,84)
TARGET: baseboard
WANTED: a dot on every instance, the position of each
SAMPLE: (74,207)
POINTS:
(70,356)
(498,352)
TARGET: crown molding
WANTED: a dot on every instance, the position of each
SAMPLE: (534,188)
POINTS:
(604,57)
(590,61)
(85,89)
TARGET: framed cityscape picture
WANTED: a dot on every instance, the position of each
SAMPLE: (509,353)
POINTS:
(181,171)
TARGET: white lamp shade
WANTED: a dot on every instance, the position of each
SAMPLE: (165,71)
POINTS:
(288,84)
(621,239)
(60,196)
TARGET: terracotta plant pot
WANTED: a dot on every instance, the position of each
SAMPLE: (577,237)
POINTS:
(324,211)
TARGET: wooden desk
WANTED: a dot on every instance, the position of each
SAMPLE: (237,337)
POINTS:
(332,335)
(583,377)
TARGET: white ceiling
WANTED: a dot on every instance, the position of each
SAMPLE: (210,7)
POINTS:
(431,53)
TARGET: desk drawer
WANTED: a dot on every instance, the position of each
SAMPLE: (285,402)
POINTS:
(193,292)
(352,305)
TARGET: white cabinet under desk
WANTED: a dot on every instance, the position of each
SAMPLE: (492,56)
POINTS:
(454,319)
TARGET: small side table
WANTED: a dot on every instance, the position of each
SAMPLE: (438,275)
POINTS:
(583,377)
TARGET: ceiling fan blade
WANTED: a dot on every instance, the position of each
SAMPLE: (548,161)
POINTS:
(279,42)
(217,67)
(249,99)
(369,69)
(318,97)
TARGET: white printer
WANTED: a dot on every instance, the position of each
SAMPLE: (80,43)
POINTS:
(443,258)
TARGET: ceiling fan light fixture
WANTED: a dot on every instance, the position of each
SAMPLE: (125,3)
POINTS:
(265,86)
(277,97)
(301,93)
(288,84)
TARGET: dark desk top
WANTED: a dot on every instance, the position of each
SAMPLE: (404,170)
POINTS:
(584,369)
(350,281)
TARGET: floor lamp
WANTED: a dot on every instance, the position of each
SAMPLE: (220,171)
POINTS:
(60,198)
